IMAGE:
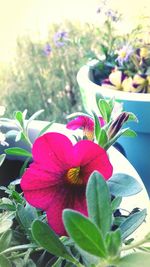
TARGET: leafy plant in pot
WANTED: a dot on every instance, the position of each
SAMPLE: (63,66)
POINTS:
(69,211)
(121,69)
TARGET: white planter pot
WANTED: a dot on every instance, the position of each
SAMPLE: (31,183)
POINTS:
(137,149)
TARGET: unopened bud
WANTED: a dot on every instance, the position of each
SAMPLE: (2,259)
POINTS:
(117,124)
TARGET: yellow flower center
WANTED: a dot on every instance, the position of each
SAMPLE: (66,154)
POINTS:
(89,134)
(122,53)
(73,176)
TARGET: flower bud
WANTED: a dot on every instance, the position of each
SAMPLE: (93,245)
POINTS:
(117,124)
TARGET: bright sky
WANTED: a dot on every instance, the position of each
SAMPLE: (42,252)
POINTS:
(18,17)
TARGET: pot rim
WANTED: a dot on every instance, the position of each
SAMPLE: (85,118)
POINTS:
(85,82)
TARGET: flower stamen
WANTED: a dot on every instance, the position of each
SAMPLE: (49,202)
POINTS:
(73,176)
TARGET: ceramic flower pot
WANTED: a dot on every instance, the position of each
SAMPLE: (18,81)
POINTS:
(137,149)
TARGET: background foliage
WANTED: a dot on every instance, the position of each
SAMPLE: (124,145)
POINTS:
(37,80)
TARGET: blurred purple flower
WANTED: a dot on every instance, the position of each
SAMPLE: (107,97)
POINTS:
(124,54)
(47,49)
(113,15)
(60,38)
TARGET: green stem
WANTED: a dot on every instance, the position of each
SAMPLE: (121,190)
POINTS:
(31,246)
(21,247)
(27,140)
(135,245)
(17,256)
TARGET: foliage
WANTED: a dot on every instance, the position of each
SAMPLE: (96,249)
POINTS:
(99,240)
(43,79)
(92,243)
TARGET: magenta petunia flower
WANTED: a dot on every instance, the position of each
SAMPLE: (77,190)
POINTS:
(86,124)
(59,173)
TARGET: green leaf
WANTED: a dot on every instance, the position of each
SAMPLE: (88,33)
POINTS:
(132,117)
(128,132)
(4,262)
(118,185)
(45,128)
(19,117)
(102,138)
(116,203)
(132,223)
(46,237)
(97,127)
(105,110)
(137,259)
(85,233)
(113,243)
(99,202)
(2,158)
(26,215)
(5,240)
(17,151)
(34,116)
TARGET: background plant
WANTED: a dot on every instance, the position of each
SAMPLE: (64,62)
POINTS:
(38,79)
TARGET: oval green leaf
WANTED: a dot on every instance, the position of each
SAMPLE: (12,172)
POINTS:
(17,151)
(132,223)
(99,202)
(85,233)
(46,237)
(118,185)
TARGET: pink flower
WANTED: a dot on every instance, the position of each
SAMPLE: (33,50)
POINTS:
(59,173)
(85,123)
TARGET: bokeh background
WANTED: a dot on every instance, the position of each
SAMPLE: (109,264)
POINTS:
(31,79)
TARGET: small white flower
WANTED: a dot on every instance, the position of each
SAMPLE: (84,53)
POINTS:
(2,140)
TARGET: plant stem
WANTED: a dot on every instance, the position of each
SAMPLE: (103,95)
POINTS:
(17,256)
(30,246)
(21,247)
(135,244)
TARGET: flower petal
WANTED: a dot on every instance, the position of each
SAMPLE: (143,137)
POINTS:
(91,157)
(38,185)
(80,205)
(61,200)
(53,151)
(81,122)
